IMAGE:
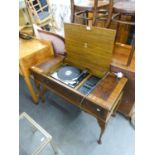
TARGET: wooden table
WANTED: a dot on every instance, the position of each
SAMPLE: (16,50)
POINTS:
(32,52)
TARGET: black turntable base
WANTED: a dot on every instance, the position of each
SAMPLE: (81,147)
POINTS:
(72,76)
(69,75)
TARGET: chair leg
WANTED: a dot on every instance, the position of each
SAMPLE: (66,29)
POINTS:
(72,11)
(117,28)
(87,21)
(110,12)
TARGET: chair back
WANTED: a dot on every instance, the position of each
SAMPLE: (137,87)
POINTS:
(57,41)
(38,10)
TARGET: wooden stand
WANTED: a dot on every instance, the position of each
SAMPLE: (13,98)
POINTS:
(100,103)
(86,51)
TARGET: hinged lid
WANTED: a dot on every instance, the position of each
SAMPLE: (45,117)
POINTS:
(89,47)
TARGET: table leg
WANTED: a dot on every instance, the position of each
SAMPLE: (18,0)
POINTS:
(55,148)
(102,126)
(31,90)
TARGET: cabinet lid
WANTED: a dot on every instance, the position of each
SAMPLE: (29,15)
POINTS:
(89,47)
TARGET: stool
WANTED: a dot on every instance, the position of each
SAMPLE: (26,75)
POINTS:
(86,7)
(116,11)
(119,9)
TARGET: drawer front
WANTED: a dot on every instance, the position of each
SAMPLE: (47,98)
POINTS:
(59,89)
(94,109)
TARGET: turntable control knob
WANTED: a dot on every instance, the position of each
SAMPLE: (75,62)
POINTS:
(98,109)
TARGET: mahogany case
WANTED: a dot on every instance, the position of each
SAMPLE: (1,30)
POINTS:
(87,48)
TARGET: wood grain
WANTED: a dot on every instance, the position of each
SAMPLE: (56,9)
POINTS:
(119,61)
(95,103)
(32,52)
(98,97)
(91,49)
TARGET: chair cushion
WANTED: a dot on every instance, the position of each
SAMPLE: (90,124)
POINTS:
(90,3)
(124,7)
(56,40)
(58,44)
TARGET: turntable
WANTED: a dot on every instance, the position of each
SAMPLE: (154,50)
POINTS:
(72,76)
(83,77)
(69,75)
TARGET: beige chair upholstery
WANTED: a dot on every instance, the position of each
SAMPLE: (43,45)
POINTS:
(56,40)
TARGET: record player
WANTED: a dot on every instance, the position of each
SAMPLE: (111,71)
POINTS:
(69,75)
(83,77)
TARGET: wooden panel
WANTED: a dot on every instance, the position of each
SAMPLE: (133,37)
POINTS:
(28,47)
(128,98)
(121,54)
(91,49)
(123,30)
(106,86)
(94,109)
(49,65)
(32,52)
(118,64)
(96,95)
(59,88)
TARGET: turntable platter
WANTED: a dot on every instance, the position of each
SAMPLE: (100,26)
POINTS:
(68,73)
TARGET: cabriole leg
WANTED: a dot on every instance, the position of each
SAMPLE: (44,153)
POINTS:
(102,126)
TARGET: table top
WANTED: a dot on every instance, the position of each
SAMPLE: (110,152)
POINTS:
(27,47)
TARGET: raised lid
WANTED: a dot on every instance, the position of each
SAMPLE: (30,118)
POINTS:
(89,48)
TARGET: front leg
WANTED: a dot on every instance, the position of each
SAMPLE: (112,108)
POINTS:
(41,90)
(102,125)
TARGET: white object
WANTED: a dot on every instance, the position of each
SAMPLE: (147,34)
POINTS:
(88,28)
(119,75)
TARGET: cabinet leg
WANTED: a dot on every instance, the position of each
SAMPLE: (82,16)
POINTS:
(41,90)
(102,126)
(42,94)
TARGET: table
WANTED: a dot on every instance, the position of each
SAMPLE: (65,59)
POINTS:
(33,139)
(32,52)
